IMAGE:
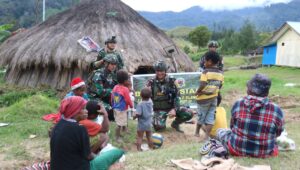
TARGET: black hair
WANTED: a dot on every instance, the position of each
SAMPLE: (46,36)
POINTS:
(259,85)
(146,93)
(122,76)
(213,56)
(92,107)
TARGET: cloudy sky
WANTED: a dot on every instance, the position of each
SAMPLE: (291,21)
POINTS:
(179,5)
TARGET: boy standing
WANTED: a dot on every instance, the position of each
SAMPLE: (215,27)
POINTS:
(211,80)
(144,112)
(120,101)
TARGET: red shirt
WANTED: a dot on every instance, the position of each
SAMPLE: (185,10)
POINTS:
(120,98)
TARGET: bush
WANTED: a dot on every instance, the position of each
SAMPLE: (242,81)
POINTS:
(10,98)
(195,56)
(186,49)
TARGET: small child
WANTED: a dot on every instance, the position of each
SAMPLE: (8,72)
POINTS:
(78,88)
(120,101)
(132,98)
(211,80)
(96,131)
(93,108)
(144,112)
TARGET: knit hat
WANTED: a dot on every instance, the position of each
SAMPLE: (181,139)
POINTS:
(71,106)
(76,83)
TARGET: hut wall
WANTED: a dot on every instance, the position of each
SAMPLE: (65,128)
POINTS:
(288,51)
(44,76)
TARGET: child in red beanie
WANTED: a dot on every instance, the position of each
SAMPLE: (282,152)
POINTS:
(78,88)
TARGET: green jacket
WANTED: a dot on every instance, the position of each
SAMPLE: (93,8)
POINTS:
(100,84)
(102,54)
(165,95)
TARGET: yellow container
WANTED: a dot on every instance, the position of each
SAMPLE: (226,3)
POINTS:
(220,122)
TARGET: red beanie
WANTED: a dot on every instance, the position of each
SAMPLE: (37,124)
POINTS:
(76,83)
(71,106)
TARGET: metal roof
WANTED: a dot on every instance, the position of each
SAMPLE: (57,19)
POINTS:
(282,30)
(294,25)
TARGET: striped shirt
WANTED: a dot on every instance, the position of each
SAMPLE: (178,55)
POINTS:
(213,80)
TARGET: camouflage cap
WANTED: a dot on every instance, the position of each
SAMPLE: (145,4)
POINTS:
(111,58)
(160,66)
(213,44)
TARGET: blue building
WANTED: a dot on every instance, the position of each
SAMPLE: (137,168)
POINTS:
(269,55)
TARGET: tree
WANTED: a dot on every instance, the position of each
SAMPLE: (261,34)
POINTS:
(186,49)
(248,37)
(263,38)
(199,36)
(4,32)
(230,44)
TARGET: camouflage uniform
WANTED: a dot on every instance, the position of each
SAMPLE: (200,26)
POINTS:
(102,54)
(202,59)
(101,82)
(220,65)
(165,97)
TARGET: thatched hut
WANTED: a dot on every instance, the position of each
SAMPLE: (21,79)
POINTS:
(49,53)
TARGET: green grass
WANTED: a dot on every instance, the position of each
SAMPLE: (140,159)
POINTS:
(25,117)
(179,32)
(237,79)
(235,61)
(128,139)
(159,159)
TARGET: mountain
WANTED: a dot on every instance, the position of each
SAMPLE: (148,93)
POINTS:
(26,13)
(266,18)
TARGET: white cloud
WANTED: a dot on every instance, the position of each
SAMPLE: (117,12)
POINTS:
(179,5)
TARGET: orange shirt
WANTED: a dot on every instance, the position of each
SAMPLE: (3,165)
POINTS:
(92,128)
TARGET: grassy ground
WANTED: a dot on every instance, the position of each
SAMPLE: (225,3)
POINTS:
(160,159)
(235,87)
(24,114)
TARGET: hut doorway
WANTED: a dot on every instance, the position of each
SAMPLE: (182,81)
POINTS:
(144,70)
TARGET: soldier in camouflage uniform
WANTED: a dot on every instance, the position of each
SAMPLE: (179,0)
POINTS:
(110,45)
(102,81)
(165,97)
(212,46)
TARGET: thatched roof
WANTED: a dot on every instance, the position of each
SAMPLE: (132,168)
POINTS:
(49,53)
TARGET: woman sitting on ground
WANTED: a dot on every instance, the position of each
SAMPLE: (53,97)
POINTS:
(69,144)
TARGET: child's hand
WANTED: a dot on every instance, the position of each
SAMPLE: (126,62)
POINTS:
(135,115)
(192,111)
(198,93)
(102,110)
(172,113)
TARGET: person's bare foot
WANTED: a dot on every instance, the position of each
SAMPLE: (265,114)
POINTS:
(119,140)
